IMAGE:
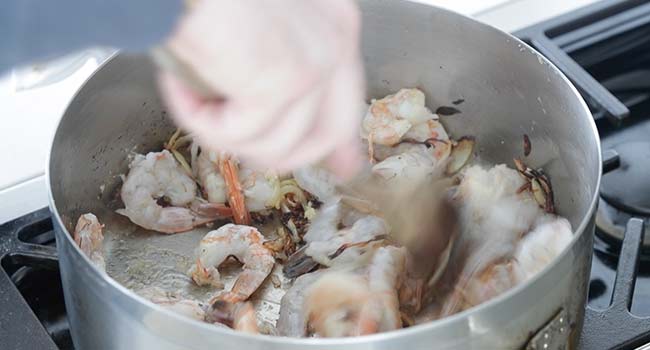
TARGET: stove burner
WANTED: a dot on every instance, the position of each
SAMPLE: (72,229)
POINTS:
(626,187)
(610,223)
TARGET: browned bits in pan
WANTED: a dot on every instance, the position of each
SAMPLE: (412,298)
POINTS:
(527,145)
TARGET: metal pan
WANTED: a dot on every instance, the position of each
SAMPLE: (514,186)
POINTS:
(508,90)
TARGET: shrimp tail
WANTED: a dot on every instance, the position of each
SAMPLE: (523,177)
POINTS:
(211,210)
(299,263)
(229,171)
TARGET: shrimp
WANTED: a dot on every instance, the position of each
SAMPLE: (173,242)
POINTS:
(412,164)
(88,236)
(239,316)
(259,189)
(317,181)
(340,305)
(325,240)
(542,245)
(172,302)
(293,320)
(390,118)
(158,176)
(343,304)
(385,278)
(244,243)
(534,252)
(494,218)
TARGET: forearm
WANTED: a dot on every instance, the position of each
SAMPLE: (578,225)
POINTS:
(39,29)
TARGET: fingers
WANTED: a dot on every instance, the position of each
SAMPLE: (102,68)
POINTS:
(321,124)
(346,160)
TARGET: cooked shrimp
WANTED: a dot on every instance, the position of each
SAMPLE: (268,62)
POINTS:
(494,217)
(356,303)
(186,307)
(365,229)
(534,252)
(244,243)
(542,245)
(386,274)
(322,248)
(317,181)
(258,188)
(158,176)
(340,305)
(390,118)
(412,164)
(239,316)
(293,319)
(88,236)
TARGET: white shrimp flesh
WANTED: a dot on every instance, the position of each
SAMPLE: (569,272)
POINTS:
(158,176)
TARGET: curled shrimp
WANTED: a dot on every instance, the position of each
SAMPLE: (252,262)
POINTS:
(158,176)
(244,243)
(88,236)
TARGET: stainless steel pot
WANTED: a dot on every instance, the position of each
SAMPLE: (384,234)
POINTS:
(508,90)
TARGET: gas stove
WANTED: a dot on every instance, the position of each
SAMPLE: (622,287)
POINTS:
(603,48)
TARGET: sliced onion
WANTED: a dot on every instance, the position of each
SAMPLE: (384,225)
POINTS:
(461,153)
(538,192)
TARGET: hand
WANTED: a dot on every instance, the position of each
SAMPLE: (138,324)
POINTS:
(291,76)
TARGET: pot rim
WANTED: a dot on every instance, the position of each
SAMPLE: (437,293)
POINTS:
(494,303)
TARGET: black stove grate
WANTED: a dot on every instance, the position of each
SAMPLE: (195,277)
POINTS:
(31,297)
(563,39)
(616,327)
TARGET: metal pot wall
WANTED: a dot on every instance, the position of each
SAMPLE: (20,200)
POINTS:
(508,90)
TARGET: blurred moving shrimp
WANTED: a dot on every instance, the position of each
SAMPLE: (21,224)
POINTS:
(326,240)
(390,118)
(88,236)
(239,316)
(172,302)
(348,299)
(342,304)
(245,244)
(533,252)
(158,176)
